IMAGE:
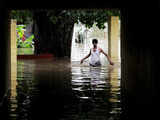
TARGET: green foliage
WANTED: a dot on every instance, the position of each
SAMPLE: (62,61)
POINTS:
(20,33)
(27,43)
(86,16)
(22,16)
(20,29)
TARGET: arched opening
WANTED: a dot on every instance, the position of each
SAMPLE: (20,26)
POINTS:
(82,41)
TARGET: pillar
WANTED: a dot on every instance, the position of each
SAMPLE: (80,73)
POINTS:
(113,37)
(13,58)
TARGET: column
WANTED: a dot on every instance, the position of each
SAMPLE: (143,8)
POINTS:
(13,58)
(113,37)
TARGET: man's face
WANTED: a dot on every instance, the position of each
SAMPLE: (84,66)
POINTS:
(94,44)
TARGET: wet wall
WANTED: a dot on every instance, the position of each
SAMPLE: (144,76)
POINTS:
(139,63)
(4,53)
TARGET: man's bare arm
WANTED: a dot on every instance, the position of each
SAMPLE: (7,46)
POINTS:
(109,59)
(86,57)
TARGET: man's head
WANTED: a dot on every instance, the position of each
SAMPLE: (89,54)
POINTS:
(94,42)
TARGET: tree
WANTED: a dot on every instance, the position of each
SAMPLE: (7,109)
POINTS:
(53,29)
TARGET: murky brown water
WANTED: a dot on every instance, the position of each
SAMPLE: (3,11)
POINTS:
(58,90)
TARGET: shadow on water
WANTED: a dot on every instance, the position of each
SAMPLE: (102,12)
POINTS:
(59,90)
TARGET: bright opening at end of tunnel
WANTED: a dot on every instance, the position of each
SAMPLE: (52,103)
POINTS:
(82,43)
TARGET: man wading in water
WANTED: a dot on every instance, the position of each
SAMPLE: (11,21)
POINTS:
(95,55)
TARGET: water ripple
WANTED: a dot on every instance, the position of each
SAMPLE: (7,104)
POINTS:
(75,92)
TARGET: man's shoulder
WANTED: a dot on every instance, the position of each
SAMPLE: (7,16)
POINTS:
(100,49)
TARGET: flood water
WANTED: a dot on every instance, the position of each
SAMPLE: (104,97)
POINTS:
(62,90)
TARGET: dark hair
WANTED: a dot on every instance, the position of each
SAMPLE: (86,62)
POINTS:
(94,41)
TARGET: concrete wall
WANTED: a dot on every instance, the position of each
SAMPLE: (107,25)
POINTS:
(4,53)
(139,66)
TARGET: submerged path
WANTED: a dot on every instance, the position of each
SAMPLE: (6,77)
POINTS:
(58,90)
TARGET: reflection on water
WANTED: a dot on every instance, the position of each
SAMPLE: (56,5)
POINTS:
(98,89)
(59,90)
